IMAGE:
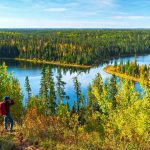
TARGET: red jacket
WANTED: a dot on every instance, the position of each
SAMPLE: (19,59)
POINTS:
(5,107)
(8,104)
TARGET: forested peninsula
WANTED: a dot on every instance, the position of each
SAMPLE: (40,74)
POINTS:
(130,70)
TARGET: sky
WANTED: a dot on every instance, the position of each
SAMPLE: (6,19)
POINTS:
(74,13)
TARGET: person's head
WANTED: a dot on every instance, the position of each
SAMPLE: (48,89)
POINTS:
(6,98)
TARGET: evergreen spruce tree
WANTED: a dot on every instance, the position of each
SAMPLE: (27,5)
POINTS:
(51,88)
(43,86)
(74,108)
(115,63)
(113,90)
(91,99)
(60,85)
(77,87)
(98,82)
(27,87)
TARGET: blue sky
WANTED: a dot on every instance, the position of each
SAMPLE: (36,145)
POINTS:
(74,13)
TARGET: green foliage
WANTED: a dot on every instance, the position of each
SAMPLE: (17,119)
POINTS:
(43,89)
(10,86)
(72,46)
(80,98)
(60,85)
(62,111)
(132,69)
(128,120)
(94,124)
(51,88)
(27,87)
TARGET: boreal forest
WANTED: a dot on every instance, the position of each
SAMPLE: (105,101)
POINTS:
(83,47)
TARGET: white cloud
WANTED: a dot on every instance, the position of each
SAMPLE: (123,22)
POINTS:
(103,3)
(55,9)
(107,2)
(131,17)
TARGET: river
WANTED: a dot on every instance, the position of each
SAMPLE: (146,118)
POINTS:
(85,76)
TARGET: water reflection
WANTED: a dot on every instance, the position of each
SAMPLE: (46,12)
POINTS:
(85,76)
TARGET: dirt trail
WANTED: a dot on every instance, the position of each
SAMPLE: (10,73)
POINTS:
(16,139)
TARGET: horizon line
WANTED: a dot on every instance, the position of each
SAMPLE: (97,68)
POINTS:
(53,28)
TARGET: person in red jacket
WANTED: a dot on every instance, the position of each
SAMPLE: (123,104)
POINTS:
(8,102)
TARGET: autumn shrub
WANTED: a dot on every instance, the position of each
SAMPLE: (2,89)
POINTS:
(124,114)
(95,124)
(9,86)
(54,131)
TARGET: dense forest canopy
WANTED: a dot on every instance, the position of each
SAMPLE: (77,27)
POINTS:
(86,47)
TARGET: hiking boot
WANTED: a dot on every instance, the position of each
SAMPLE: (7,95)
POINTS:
(10,131)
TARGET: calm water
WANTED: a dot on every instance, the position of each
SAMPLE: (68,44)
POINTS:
(85,76)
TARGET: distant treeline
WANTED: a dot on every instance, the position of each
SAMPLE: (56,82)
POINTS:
(86,47)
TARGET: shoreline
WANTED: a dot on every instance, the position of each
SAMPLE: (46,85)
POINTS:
(73,65)
(109,70)
(51,63)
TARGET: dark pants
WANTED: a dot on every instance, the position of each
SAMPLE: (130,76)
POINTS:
(8,118)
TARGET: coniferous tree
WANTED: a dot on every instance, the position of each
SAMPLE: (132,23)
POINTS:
(74,107)
(113,90)
(115,63)
(98,82)
(43,85)
(51,87)
(91,99)
(60,85)
(27,87)
(77,87)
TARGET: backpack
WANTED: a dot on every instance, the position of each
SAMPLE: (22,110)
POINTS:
(3,109)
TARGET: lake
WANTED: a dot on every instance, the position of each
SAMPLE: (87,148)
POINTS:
(85,76)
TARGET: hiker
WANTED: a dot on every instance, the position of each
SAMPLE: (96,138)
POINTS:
(6,112)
